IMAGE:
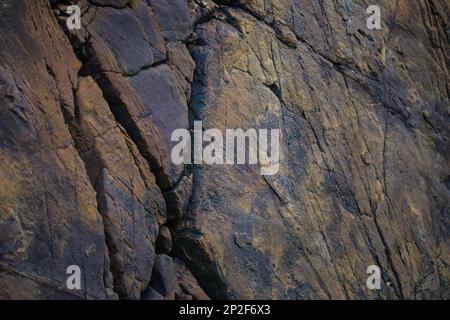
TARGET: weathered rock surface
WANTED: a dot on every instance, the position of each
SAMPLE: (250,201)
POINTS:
(86,176)
(79,179)
(172,280)
(362,169)
(127,196)
(164,241)
(48,217)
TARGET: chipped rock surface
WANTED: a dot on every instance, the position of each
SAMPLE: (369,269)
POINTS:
(86,176)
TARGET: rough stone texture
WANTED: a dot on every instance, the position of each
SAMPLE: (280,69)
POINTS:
(150,116)
(164,241)
(163,278)
(127,195)
(78,180)
(172,280)
(178,197)
(114,44)
(188,285)
(48,209)
(85,138)
(364,116)
(151,294)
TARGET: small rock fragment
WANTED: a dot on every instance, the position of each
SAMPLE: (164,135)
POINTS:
(164,241)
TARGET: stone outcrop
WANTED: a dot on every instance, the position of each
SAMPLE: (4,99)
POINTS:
(86,176)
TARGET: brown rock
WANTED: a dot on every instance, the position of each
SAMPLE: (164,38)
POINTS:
(150,116)
(164,241)
(48,209)
(174,18)
(177,199)
(163,279)
(151,294)
(86,120)
(127,194)
(183,65)
(124,41)
(330,211)
(188,284)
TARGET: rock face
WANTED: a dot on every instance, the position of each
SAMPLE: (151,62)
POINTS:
(86,176)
